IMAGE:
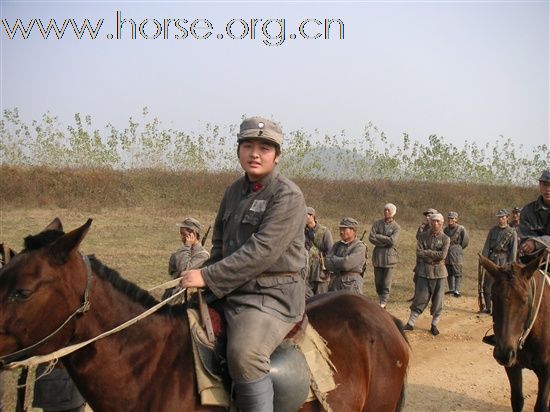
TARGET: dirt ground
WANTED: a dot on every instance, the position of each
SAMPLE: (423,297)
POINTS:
(455,371)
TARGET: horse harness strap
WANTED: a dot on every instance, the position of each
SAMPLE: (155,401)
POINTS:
(534,313)
(83,308)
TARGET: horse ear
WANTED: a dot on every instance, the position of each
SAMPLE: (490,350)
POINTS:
(493,269)
(55,225)
(60,250)
(530,268)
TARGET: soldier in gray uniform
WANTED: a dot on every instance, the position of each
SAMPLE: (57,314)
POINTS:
(534,227)
(501,248)
(190,255)
(431,251)
(516,217)
(318,244)
(258,250)
(459,241)
(383,235)
(347,259)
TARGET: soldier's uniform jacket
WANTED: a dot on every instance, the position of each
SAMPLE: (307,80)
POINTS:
(186,258)
(384,238)
(318,241)
(431,251)
(258,247)
(346,258)
(459,240)
(501,245)
(535,223)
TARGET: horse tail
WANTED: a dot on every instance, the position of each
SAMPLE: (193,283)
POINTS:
(400,325)
(401,401)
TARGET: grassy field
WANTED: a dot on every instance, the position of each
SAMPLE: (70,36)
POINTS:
(135,214)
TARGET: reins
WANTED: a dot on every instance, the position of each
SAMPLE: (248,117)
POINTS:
(533,314)
(8,361)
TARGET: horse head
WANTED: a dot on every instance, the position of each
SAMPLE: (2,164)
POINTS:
(512,306)
(40,287)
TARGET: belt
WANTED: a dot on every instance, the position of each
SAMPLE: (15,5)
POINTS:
(277,274)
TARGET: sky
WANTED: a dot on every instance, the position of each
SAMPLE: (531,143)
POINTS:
(464,70)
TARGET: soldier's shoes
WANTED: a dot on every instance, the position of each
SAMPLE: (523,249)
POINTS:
(456,294)
(489,340)
(486,311)
(434,331)
(408,327)
(383,305)
(450,292)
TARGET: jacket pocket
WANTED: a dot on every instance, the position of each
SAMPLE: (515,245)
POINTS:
(252,218)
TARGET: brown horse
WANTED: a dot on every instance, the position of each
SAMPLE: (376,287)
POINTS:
(149,366)
(516,296)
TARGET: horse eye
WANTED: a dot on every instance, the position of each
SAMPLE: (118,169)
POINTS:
(20,295)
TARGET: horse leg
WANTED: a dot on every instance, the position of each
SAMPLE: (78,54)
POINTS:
(516,383)
(544,390)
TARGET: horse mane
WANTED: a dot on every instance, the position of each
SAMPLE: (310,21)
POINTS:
(134,292)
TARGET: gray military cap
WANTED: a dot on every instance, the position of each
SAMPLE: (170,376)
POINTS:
(545,176)
(190,223)
(310,211)
(349,222)
(452,215)
(502,212)
(516,210)
(437,216)
(260,128)
(430,211)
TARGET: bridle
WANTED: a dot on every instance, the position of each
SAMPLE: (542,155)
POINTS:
(534,308)
(84,307)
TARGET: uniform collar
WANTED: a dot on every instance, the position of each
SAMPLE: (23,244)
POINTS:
(253,187)
(541,205)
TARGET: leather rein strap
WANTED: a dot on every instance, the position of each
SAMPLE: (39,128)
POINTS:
(84,307)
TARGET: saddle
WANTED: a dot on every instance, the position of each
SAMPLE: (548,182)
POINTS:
(300,367)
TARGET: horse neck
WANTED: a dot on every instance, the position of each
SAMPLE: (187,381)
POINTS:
(127,362)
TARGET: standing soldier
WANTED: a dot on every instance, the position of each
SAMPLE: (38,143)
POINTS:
(383,236)
(190,255)
(534,227)
(459,241)
(347,259)
(516,213)
(431,251)
(257,255)
(501,248)
(318,243)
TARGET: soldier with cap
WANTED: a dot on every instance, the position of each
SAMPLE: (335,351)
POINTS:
(516,217)
(455,258)
(190,255)
(258,251)
(347,259)
(318,244)
(383,235)
(501,248)
(534,227)
(431,250)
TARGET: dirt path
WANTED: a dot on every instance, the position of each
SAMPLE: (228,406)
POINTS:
(455,371)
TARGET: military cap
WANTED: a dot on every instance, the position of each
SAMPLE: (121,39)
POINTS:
(190,223)
(437,216)
(260,128)
(545,176)
(430,211)
(502,212)
(516,210)
(310,211)
(349,222)
(452,215)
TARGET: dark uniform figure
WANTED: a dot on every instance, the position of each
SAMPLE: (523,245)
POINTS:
(516,217)
(347,259)
(534,226)
(257,253)
(455,258)
(318,244)
(501,248)
(56,392)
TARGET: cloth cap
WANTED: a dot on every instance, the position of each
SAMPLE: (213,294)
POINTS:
(516,210)
(430,211)
(391,207)
(452,215)
(545,176)
(260,128)
(310,211)
(349,222)
(437,216)
(190,223)
(502,212)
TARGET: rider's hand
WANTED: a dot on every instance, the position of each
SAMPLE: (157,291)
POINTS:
(192,279)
